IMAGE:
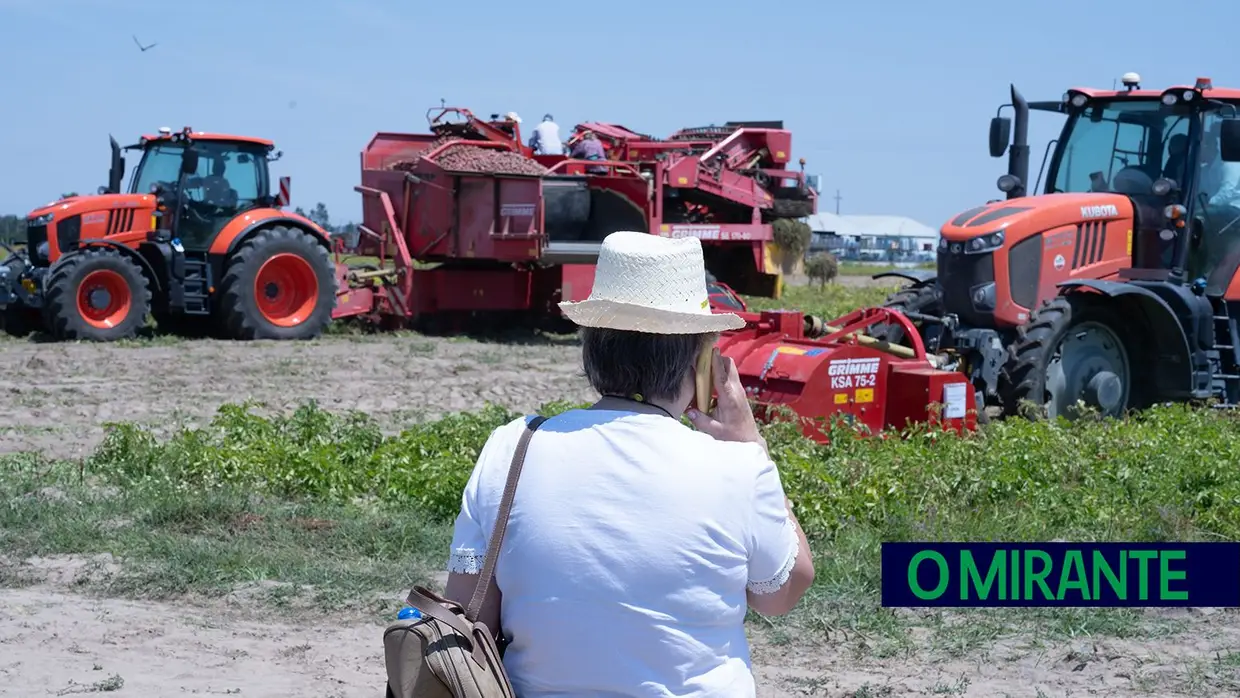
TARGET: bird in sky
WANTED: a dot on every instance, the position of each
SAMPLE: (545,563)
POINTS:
(143,48)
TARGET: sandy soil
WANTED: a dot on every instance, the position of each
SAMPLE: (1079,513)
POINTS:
(56,640)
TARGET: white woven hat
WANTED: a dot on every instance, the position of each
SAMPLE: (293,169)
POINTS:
(647,283)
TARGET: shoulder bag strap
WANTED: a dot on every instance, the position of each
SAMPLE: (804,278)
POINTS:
(501,521)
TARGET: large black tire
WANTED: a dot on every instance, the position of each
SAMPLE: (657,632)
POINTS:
(241,310)
(97,294)
(1094,336)
(925,300)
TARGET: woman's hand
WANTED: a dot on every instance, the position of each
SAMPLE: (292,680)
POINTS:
(732,420)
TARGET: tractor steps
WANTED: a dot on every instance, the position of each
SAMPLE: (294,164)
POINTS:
(1227,379)
(197,286)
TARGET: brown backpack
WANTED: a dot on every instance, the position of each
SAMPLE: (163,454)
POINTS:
(447,653)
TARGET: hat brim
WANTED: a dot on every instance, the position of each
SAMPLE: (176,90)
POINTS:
(636,318)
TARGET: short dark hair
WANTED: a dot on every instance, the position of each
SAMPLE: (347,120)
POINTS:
(625,363)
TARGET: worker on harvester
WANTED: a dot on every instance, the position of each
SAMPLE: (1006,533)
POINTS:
(546,138)
(589,148)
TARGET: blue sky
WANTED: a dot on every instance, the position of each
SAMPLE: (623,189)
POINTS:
(888,101)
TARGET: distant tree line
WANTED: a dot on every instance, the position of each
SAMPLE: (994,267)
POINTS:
(13,227)
(346,231)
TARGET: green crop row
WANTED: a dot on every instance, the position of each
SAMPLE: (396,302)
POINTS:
(1169,474)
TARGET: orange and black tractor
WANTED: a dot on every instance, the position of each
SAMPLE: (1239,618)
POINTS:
(199,241)
(1118,283)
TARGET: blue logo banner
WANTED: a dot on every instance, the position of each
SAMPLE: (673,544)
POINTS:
(1061,574)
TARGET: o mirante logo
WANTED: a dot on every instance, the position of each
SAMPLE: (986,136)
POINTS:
(1061,574)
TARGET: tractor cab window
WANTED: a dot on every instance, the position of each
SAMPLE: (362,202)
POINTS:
(1215,253)
(1175,152)
(1121,146)
(227,177)
(161,164)
(230,176)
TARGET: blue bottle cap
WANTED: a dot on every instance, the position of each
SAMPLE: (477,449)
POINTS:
(409,613)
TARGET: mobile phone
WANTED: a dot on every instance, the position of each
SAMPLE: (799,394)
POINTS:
(705,378)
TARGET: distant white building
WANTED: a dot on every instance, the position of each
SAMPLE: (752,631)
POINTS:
(872,238)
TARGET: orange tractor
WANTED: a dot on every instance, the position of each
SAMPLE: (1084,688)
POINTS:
(1117,284)
(198,240)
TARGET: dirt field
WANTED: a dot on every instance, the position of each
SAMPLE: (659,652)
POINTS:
(60,395)
(57,637)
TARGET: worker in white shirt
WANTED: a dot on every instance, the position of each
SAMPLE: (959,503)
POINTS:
(546,138)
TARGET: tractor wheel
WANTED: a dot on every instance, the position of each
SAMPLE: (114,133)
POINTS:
(924,299)
(279,284)
(1072,348)
(97,294)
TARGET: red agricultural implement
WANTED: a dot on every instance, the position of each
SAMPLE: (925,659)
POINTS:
(506,231)
(726,185)
(827,371)
(823,372)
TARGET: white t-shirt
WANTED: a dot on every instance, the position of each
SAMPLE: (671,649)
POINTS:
(629,549)
(548,138)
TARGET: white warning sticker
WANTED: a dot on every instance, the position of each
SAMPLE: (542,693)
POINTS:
(955,398)
(853,373)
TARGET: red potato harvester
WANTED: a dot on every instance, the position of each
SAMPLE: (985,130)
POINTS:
(823,371)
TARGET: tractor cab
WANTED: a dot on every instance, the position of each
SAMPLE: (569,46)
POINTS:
(201,181)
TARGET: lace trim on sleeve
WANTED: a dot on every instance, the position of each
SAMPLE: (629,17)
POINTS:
(774,584)
(466,561)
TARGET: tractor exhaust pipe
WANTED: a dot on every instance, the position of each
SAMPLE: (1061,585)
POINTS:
(117,171)
(1016,182)
(1018,158)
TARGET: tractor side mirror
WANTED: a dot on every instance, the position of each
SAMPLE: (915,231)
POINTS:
(1000,135)
(189,161)
(1229,140)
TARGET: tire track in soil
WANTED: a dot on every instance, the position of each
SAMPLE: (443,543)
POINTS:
(55,398)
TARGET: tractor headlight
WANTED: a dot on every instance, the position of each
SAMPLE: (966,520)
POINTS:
(983,296)
(942,244)
(984,243)
(45,219)
(1007,183)
(1174,212)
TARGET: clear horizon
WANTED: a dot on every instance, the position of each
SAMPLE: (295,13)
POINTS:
(888,103)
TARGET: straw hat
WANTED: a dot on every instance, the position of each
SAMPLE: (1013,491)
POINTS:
(647,283)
